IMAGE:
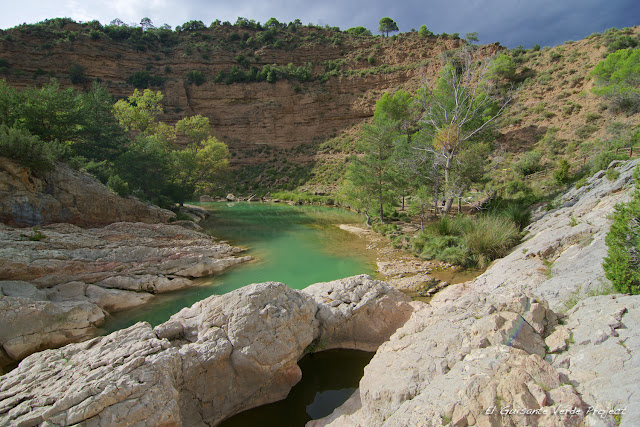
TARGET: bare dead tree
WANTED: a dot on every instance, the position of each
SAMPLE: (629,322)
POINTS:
(456,107)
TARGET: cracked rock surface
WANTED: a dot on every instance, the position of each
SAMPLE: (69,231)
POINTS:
(58,289)
(507,348)
(216,358)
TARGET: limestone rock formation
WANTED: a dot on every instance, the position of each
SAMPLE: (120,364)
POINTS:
(66,281)
(66,195)
(355,313)
(602,360)
(492,352)
(209,361)
(561,256)
(30,323)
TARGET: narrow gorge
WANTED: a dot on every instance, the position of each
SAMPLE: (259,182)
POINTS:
(116,311)
(502,349)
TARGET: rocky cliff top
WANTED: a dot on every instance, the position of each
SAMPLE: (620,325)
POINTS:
(65,195)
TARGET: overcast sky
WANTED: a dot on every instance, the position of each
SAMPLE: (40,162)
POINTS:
(510,22)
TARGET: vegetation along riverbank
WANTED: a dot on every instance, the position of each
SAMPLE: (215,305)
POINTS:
(496,189)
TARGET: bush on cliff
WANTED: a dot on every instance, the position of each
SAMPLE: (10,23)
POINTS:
(622,264)
(29,150)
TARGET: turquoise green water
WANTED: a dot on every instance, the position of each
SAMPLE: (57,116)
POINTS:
(295,245)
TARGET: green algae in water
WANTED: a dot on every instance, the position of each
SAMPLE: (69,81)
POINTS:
(329,378)
(295,245)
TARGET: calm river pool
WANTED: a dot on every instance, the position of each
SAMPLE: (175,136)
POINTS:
(295,245)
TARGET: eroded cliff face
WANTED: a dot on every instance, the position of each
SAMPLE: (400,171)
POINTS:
(242,114)
(66,195)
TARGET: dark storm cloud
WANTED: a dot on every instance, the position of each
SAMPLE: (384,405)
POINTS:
(510,22)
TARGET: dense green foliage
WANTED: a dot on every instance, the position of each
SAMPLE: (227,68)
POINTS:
(434,146)
(622,264)
(29,150)
(122,144)
(372,176)
(387,25)
(618,79)
(196,77)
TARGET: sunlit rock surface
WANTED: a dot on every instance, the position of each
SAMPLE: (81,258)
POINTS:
(58,289)
(216,358)
(507,348)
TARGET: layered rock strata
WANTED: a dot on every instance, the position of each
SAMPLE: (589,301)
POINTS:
(58,285)
(223,355)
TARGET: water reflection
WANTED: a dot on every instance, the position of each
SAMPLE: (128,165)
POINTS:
(329,378)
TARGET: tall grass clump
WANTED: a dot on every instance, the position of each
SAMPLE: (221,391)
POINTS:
(467,241)
(490,238)
(515,210)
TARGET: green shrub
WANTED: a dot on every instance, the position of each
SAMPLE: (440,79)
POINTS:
(464,240)
(529,163)
(37,234)
(76,74)
(424,31)
(434,246)
(446,226)
(617,79)
(196,77)
(585,131)
(581,182)
(28,149)
(622,264)
(118,185)
(602,161)
(457,255)
(386,229)
(555,56)
(592,117)
(513,210)
(561,174)
(612,174)
(143,79)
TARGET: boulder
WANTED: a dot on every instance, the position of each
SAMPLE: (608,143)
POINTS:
(216,358)
(114,300)
(354,312)
(31,325)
